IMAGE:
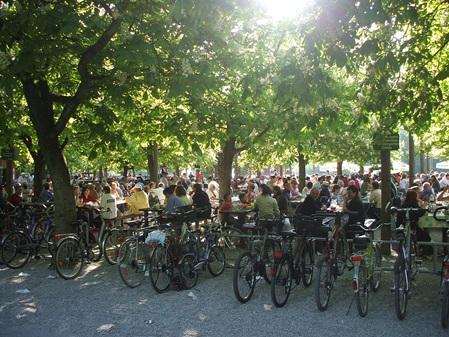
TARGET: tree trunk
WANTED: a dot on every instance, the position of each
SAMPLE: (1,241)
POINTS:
(386,197)
(225,170)
(339,168)
(42,117)
(152,160)
(411,158)
(302,170)
(421,163)
(39,173)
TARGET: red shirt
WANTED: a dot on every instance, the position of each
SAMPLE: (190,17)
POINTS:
(85,199)
(224,207)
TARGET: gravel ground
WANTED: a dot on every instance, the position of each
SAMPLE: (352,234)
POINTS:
(56,307)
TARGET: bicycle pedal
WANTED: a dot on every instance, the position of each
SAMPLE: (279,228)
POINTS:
(418,262)
(392,289)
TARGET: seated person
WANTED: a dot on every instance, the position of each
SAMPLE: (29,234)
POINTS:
(46,195)
(173,201)
(411,201)
(227,205)
(266,205)
(352,203)
(251,193)
(281,200)
(16,198)
(312,203)
(213,195)
(335,194)
(201,200)
(375,199)
(138,200)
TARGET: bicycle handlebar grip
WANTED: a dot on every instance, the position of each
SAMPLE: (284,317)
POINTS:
(436,211)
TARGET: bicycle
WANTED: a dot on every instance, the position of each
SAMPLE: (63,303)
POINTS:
(258,260)
(367,263)
(71,250)
(169,250)
(405,266)
(295,261)
(444,273)
(333,261)
(18,245)
(134,254)
(205,255)
(108,241)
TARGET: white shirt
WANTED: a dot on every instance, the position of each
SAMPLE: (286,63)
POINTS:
(109,206)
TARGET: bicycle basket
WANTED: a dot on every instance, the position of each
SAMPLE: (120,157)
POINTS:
(178,251)
(307,223)
(156,236)
(361,242)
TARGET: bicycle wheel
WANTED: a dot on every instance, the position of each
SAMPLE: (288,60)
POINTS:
(270,247)
(132,263)
(188,274)
(307,264)
(68,258)
(445,311)
(161,269)
(244,277)
(400,287)
(49,241)
(376,268)
(95,247)
(324,280)
(217,261)
(111,245)
(281,282)
(16,250)
(362,295)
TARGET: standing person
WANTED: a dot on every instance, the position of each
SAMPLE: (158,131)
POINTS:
(266,205)
(46,195)
(108,204)
(198,175)
(164,179)
(137,201)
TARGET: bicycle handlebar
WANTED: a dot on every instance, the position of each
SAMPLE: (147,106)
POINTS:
(439,209)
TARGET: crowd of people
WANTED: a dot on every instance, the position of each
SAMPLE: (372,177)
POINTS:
(271,196)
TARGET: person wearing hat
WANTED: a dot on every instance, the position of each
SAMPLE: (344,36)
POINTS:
(22,179)
(138,200)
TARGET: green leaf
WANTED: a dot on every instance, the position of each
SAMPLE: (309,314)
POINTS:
(196,149)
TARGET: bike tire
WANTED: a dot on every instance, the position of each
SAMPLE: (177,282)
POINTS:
(376,268)
(324,280)
(362,295)
(217,261)
(400,287)
(445,307)
(132,263)
(307,264)
(270,247)
(244,277)
(281,281)
(111,245)
(68,258)
(161,268)
(49,240)
(188,274)
(95,247)
(16,250)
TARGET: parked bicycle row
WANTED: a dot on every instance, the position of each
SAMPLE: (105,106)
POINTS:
(315,250)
